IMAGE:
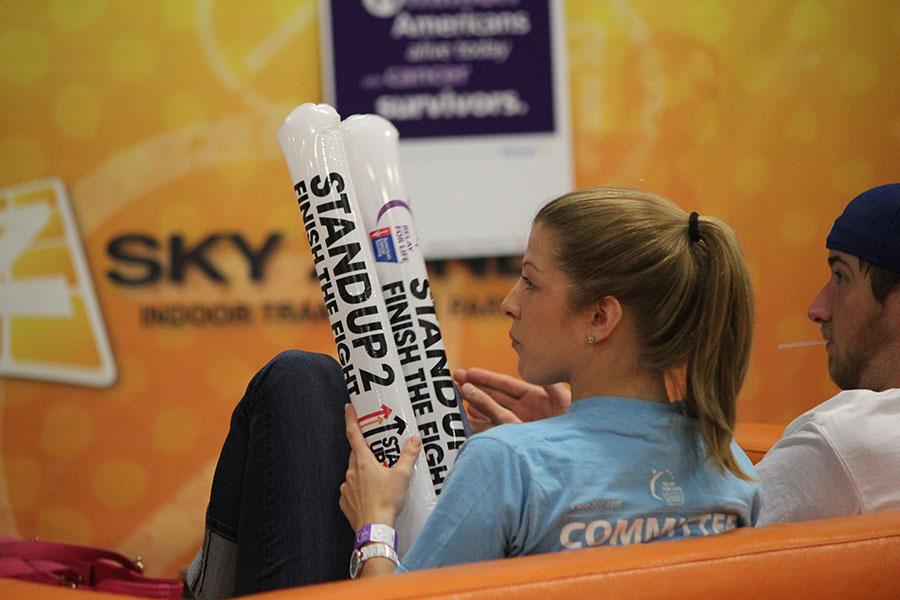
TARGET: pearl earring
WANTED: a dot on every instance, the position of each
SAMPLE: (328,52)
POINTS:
(591,339)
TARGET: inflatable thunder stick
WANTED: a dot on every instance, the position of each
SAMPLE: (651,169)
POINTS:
(372,148)
(314,151)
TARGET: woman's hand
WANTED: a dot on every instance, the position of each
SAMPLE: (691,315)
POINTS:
(371,492)
(495,398)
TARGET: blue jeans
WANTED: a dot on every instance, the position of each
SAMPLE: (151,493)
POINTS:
(273,519)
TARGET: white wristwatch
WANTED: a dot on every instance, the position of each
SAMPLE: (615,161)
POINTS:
(371,551)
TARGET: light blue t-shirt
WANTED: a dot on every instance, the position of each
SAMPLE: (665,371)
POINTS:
(611,471)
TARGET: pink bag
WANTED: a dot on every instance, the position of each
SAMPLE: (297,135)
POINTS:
(80,567)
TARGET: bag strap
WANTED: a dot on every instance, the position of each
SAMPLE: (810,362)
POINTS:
(40,570)
(39,550)
(102,570)
(106,579)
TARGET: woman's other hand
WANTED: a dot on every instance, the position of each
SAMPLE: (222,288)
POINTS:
(495,399)
(372,492)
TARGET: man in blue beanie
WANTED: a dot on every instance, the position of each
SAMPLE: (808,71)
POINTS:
(843,456)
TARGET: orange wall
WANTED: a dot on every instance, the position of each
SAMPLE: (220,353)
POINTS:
(770,114)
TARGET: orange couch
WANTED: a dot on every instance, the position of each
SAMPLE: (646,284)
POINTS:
(848,557)
(756,438)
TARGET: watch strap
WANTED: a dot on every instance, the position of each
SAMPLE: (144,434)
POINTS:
(372,550)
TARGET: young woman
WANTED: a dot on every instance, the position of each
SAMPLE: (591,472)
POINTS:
(645,311)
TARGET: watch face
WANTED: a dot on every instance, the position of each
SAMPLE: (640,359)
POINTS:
(355,563)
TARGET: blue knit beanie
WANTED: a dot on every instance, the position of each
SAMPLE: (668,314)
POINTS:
(869,228)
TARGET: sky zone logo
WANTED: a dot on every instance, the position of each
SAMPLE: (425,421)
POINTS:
(50,323)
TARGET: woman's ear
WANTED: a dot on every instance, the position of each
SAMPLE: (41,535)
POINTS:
(605,316)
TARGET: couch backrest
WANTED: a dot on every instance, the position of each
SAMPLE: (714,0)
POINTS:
(756,438)
(847,557)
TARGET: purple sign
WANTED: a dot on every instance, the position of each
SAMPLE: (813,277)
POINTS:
(438,68)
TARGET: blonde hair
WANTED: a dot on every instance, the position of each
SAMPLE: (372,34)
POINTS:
(691,298)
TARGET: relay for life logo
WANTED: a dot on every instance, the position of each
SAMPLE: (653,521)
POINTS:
(50,322)
(383,8)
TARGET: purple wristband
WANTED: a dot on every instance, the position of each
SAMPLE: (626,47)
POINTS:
(376,532)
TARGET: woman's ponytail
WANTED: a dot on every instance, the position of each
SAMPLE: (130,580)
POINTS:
(684,279)
(723,325)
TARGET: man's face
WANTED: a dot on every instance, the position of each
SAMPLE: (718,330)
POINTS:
(854,324)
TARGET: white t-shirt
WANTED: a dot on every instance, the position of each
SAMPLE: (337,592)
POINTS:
(840,458)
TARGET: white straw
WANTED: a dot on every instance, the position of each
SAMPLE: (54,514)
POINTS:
(801,344)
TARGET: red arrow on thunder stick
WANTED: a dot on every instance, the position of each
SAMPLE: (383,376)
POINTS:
(378,417)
